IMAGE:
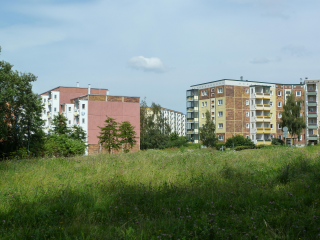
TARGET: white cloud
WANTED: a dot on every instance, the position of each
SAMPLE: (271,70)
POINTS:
(152,64)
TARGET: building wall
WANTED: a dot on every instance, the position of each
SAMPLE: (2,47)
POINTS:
(204,106)
(120,111)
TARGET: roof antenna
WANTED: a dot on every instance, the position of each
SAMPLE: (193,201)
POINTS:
(241,78)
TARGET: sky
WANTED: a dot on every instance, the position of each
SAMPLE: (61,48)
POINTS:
(158,49)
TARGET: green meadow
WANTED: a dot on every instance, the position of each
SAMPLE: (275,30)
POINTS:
(268,193)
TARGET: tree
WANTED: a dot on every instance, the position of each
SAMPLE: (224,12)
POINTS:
(291,116)
(78,133)
(154,130)
(20,111)
(127,135)
(207,132)
(109,136)
(59,124)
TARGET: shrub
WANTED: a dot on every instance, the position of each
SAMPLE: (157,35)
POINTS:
(219,145)
(239,148)
(277,141)
(238,140)
(176,141)
(62,145)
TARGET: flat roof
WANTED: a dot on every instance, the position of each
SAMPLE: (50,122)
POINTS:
(71,87)
(243,81)
(169,110)
(102,95)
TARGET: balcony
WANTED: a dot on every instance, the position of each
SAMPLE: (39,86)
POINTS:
(190,98)
(312,103)
(312,114)
(312,92)
(261,118)
(313,137)
(262,95)
(312,126)
(263,130)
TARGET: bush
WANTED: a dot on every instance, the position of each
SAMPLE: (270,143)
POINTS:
(176,141)
(239,140)
(277,141)
(62,145)
(239,148)
(219,146)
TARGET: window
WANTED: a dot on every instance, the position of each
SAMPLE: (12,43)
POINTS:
(252,137)
(252,125)
(212,94)
(310,88)
(298,93)
(247,114)
(83,106)
(220,90)
(82,120)
(279,104)
(247,136)
(279,93)
(252,114)
(247,102)
(219,102)
(202,115)
(202,104)
(69,109)
(251,102)
(287,92)
(280,137)
(300,138)
(44,111)
(279,115)
(247,90)
(310,132)
(271,125)
(55,96)
(204,93)
(220,114)
(220,125)
(271,93)
(220,137)
(205,104)
(247,125)
(55,109)
(310,98)
(279,126)
(69,121)
(251,90)
(271,104)
(212,89)
(44,100)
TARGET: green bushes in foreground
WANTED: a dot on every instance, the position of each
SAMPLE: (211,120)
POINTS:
(261,194)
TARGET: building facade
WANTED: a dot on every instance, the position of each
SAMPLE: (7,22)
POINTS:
(251,109)
(176,120)
(89,108)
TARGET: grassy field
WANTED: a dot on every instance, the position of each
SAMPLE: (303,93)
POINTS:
(178,194)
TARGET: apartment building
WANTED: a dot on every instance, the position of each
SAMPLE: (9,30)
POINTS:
(249,108)
(175,119)
(88,108)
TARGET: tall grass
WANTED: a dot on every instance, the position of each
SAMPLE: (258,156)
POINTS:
(179,194)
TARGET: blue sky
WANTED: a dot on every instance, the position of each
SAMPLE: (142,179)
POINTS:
(157,49)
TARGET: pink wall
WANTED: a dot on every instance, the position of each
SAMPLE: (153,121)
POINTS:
(120,111)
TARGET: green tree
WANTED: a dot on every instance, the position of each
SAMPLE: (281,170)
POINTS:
(127,135)
(109,136)
(207,132)
(78,133)
(155,129)
(59,124)
(20,111)
(291,116)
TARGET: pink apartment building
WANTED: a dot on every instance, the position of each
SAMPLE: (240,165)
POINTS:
(88,108)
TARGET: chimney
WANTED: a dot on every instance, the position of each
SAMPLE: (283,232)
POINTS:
(241,78)
(77,84)
(306,78)
(301,81)
(89,89)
